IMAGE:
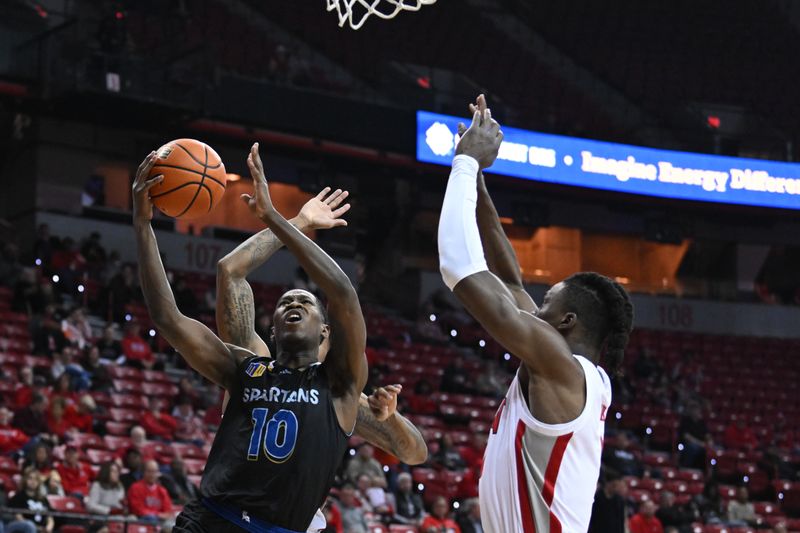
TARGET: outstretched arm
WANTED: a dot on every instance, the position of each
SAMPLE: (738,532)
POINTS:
(464,269)
(235,305)
(500,255)
(348,337)
(196,343)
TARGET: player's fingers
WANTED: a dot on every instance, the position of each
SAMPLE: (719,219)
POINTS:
(153,181)
(339,222)
(334,195)
(481,102)
(341,211)
(487,115)
(339,199)
(146,165)
(322,193)
(476,119)
(472,109)
(395,389)
(462,129)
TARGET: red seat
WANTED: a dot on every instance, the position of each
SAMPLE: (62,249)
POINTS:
(99,456)
(86,440)
(377,528)
(66,504)
(399,528)
(124,415)
(188,450)
(119,429)
(117,443)
(72,529)
(8,465)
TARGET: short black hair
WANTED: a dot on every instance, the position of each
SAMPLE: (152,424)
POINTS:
(606,312)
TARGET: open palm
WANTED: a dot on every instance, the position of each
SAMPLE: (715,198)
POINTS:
(325,209)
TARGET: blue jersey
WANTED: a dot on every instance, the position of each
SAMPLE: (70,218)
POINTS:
(279,445)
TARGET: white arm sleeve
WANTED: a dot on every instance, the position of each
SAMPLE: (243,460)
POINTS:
(460,248)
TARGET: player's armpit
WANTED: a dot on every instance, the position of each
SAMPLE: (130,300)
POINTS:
(395,435)
(540,346)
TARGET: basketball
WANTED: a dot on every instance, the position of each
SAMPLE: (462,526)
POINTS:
(194,179)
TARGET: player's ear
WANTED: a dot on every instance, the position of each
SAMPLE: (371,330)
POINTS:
(568,321)
(325,333)
(272,334)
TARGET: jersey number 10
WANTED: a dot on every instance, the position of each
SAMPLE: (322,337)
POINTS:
(269,433)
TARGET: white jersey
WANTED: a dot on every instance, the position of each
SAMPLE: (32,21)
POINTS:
(541,478)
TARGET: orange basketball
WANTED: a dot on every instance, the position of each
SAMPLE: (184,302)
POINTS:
(194,179)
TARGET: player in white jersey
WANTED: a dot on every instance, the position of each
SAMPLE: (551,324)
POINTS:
(542,461)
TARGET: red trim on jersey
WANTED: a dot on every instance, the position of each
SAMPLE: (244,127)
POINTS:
(551,476)
(497,415)
(528,525)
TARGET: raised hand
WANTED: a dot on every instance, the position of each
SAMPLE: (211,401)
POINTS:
(142,203)
(482,139)
(260,203)
(383,401)
(324,211)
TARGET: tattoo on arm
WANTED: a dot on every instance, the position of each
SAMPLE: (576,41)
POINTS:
(400,437)
(238,324)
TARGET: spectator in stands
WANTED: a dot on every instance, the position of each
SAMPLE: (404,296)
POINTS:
(10,267)
(122,291)
(490,382)
(40,458)
(694,436)
(148,499)
(136,350)
(68,263)
(409,508)
(618,455)
(23,394)
(439,520)
(94,253)
(422,401)
(448,456)
(33,418)
(456,378)
(353,518)
(177,483)
(26,290)
(8,521)
(739,436)
(672,514)
(110,348)
(377,497)
(780,528)
(741,511)
(57,422)
(470,520)
(76,328)
(140,443)
(132,462)
(190,427)
(709,504)
(51,484)
(645,521)
(363,485)
(47,335)
(608,510)
(333,516)
(363,463)
(158,423)
(11,438)
(187,391)
(107,494)
(96,370)
(75,475)
(29,496)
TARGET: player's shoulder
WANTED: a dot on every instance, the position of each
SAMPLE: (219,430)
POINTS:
(241,355)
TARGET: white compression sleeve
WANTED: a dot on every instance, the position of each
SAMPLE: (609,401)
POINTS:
(460,248)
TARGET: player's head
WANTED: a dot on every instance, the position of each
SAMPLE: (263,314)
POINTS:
(591,310)
(300,322)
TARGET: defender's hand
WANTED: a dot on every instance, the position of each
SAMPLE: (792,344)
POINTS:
(483,138)
(142,203)
(323,211)
(383,402)
(260,203)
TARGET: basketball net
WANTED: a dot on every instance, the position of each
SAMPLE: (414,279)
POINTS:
(385,9)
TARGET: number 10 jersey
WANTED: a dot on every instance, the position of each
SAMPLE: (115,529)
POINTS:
(279,445)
